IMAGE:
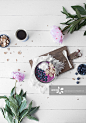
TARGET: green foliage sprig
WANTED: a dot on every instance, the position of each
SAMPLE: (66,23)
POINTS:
(16,107)
(75,21)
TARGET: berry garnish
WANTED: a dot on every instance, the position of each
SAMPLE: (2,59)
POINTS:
(78,78)
(76,73)
(77,82)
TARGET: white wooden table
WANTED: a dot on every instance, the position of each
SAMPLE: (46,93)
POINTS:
(37,17)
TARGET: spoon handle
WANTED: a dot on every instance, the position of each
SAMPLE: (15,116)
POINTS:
(69,62)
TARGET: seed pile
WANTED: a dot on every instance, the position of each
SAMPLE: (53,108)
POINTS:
(4,41)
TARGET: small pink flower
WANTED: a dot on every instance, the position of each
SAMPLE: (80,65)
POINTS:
(19,77)
(57,34)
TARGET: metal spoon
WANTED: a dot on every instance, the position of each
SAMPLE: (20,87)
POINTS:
(65,54)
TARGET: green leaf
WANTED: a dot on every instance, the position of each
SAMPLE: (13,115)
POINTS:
(3,97)
(66,28)
(15,121)
(67,22)
(8,117)
(78,14)
(23,105)
(71,16)
(12,91)
(65,11)
(34,110)
(14,109)
(23,114)
(30,106)
(8,109)
(73,26)
(19,99)
(13,100)
(82,24)
(2,112)
(32,118)
(85,33)
(21,92)
(80,9)
(85,6)
(14,105)
(7,102)
(24,95)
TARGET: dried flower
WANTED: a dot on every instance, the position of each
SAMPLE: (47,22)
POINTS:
(19,77)
(57,34)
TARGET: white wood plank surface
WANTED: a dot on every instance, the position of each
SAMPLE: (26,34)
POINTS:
(56,116)
(43,38)
(24,54)
(37,17)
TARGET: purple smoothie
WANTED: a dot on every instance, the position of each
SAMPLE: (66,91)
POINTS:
(37,73)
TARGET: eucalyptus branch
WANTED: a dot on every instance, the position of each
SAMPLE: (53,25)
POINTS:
(77,21)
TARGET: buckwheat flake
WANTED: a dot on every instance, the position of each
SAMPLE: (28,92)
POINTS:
(19,52)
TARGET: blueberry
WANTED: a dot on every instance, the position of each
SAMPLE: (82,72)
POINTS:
(77,82)
(46,79)
(37,68)
(83,73)
(45,76)
(38,76)
(79,68)
(76,73)
(78,78)
(43,73)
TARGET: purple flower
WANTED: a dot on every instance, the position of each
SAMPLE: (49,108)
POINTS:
(19,77)
(57,34)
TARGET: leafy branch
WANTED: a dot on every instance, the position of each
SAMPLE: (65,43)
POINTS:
(15,109)
(75,21)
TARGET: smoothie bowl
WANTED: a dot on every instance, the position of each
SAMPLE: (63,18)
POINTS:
(45,72)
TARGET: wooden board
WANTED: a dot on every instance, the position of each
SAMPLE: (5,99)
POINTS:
(57,54)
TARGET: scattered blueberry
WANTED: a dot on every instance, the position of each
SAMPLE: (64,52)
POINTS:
(78,78)
(77,82)
(76,73)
